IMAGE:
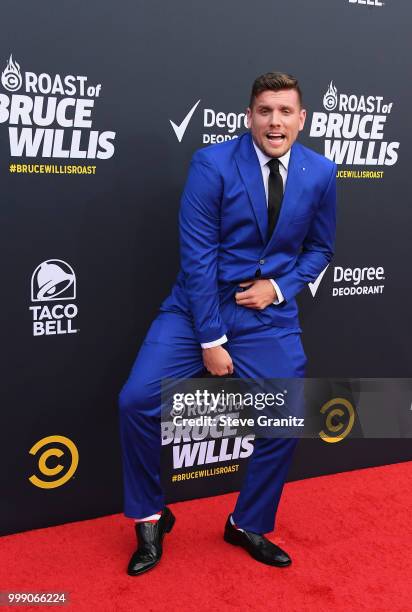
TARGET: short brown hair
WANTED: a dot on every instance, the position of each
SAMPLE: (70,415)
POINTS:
(274,81)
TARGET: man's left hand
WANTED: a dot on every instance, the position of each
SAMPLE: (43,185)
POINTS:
(260,294)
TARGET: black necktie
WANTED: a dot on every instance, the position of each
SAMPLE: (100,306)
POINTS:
(275,194)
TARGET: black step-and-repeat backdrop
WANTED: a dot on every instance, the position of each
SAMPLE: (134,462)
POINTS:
(101,108)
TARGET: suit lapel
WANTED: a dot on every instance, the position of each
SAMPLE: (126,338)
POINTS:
(294,186)
(249,168)
(251,174)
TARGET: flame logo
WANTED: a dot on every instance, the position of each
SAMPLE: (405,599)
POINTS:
(177,411)
(11,76)
(330,99)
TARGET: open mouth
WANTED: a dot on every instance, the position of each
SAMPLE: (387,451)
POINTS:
(275,136)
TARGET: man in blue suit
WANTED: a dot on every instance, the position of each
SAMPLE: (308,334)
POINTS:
(257,223)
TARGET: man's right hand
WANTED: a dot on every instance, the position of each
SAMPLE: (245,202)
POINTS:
(217,361)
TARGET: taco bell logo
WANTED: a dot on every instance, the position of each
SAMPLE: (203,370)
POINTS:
(11,76)
(53,280)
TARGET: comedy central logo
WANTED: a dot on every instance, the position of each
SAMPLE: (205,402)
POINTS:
(339,419)
(65,457)
(53,280)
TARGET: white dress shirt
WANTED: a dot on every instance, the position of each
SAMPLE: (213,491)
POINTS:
(283,169)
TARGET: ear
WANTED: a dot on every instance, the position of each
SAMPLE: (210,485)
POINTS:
(248,116)
(302,117)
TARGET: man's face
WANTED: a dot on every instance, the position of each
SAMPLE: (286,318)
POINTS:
(275,120)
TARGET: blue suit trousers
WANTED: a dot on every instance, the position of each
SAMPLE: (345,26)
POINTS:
(171,350)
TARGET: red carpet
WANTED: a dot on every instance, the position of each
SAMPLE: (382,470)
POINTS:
(349,535)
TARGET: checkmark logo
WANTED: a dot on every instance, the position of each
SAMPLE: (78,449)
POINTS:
(180,130)
(315,285)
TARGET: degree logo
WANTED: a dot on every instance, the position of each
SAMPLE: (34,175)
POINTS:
(315,285)
(180,129)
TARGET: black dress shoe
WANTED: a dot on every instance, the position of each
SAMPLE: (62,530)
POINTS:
(259,547)
(149,543)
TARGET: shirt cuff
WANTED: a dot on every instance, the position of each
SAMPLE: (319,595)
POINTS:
(218,342)
(278,292)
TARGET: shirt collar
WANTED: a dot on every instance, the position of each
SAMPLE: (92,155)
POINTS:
(263,158)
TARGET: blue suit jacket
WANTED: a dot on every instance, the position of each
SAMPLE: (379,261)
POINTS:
(223,233)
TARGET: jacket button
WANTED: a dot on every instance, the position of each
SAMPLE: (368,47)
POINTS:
(258,273)
(261,261)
